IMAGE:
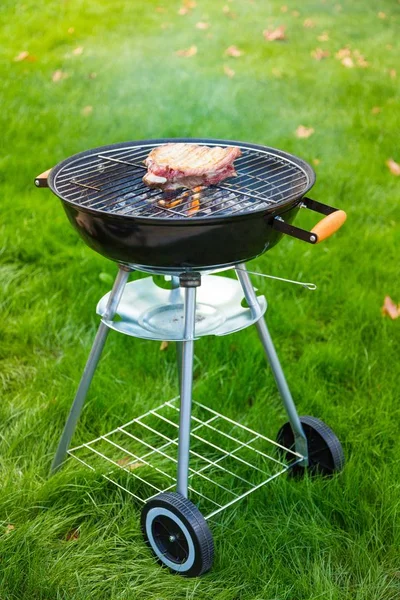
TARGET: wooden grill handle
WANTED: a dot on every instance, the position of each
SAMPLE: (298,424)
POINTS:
(329,225)
(41,180)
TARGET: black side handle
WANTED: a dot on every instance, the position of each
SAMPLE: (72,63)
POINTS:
(322,230)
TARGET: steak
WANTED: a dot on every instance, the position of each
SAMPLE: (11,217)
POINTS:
(174,166)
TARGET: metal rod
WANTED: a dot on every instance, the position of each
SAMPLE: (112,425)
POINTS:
(266,340)
(186,383)
(92,362)
(308,286)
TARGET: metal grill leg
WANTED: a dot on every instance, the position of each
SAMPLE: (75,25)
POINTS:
(186,383)
(94,357)
(266,340)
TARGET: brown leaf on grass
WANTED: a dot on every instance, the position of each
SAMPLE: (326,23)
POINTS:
(272,35)
(187,52)
(73,535)
(228,12)
(9,528)
(309,24)
(376,110)
(164,345)
(71,30)
(233,51)
(183,10)
(228,71)
(360,59)
(347,62)
(189,4)
(393,167)
(304,132)
(393,73)
(24,55)
(343,53)
(284,8)
(202,25)
(92,75)
(125,462)
(390,309)
(87,110)
(316,161)
(324,37)
(382,15)
(319,53)
(295,13)
(77,51)
(58,75)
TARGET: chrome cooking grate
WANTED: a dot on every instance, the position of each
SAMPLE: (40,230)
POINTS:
(111,181)
(141,457)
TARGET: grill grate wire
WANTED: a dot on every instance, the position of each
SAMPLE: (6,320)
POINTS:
(111,181)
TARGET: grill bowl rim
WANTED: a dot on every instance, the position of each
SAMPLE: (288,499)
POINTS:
(273,209)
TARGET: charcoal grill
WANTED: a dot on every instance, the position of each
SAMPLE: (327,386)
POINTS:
(118,216)
(182,242)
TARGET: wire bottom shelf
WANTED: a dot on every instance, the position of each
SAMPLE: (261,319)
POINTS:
(228,460)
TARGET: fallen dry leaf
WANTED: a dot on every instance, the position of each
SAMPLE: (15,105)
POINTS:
(233,51)
(183,10)
(304,132)
(308,24)
(125,462)
(376,110)
(227,11)
(295,13)
(72,535)
(71,30)
(59,75)
(382,15)
(284,8)
(348,62)
(393,166)
(24,55)
(78,51)
(390,309)
(187,52)
(190,3)
(87,110)
(202,25)
(21,56)
(164,345)
(343,53)
(360,59)
(393,73)
(92,75)
(9,528)
(316,161)
(324,37)
(319,53)
(272,35)
(228,71)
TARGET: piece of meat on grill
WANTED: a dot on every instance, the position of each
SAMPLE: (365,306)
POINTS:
(173,166)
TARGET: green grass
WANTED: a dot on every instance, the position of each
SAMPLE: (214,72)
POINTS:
(292,540)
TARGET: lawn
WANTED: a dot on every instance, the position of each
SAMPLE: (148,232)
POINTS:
(101,72)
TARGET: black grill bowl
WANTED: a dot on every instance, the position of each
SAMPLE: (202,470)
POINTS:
(119,217)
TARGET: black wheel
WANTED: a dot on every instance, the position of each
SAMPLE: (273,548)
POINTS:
(178,534)
(325,453)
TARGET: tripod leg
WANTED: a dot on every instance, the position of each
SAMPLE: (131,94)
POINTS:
(94,357)
(269,349)
(186,349)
